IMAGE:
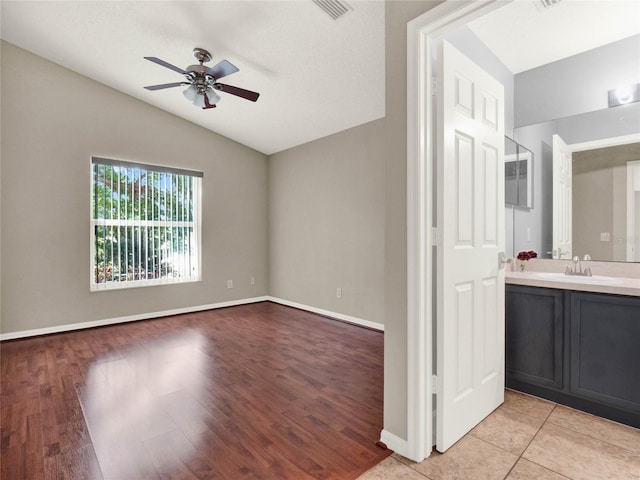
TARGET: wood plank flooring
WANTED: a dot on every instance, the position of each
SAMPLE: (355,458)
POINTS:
(259,391)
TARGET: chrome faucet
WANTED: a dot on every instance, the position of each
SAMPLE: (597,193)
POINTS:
(577,268)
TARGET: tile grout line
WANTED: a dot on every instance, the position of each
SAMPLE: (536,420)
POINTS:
(547,421)
(418,471)
(589,436)
(531,441)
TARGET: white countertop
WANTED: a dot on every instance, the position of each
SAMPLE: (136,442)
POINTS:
(597,283)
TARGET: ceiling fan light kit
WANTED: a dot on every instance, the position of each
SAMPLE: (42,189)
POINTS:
(190,93)
(202,80)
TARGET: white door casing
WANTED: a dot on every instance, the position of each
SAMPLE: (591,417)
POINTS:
(470,278)
(423,33)
(562,199)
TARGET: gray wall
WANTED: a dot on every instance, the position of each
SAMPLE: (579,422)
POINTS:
(48,137)
(601,124)
(1,186)
(327,222)
(577,84)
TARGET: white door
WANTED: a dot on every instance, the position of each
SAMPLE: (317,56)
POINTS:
(470,278)
(562,199)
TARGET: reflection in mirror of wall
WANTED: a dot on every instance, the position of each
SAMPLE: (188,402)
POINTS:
(605,214)
(601,126)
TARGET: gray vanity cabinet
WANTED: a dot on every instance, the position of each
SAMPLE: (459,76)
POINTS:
(534,335)
(575,348)
(605,348)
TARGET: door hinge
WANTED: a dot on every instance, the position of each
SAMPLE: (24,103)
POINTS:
(434,384)
(435,236)
(434,86)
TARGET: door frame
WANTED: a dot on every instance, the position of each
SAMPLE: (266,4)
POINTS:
(422,33)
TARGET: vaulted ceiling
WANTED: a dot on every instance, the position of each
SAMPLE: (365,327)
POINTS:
(316,75)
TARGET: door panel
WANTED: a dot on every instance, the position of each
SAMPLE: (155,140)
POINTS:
(633,211)
(470,296)
(562,199)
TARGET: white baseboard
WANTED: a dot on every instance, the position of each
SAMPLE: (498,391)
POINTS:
(177,311)
(129,318)
(395,443)
(327,313)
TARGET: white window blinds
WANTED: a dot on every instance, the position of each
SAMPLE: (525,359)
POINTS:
(145,224)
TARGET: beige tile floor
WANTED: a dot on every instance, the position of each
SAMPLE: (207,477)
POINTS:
(528,438)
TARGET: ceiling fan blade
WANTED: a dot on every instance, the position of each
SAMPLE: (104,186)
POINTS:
(222,69)
(166,85)
(165,64)
(238,92)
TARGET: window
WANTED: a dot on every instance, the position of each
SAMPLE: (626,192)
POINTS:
(145,225)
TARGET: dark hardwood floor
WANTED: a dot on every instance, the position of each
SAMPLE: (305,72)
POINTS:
(248,392)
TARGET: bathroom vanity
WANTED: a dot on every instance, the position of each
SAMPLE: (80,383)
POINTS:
(575,341)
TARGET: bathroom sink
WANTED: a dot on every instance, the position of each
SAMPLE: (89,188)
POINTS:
(561,277)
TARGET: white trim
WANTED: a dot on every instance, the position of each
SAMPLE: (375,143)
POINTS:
(421,34)
(605,142)
(177,311)
(128,318)
(327,313)
(395,443)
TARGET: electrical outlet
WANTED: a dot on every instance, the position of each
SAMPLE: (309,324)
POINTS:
(605,237)
(229,283)
(338,292)
(252,281)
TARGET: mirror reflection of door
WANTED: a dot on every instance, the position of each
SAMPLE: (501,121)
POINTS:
(633,211)
(562,199)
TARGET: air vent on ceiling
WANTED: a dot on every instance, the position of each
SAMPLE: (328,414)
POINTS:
(335,8)
(544,4)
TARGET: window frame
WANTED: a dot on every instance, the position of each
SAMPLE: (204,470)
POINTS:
(195,224)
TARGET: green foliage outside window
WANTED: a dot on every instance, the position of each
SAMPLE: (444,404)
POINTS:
(144,225)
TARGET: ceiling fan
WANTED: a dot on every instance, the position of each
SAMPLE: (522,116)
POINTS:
(203,80)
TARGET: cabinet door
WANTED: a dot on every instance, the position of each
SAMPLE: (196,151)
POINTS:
(534,335)
(605,349)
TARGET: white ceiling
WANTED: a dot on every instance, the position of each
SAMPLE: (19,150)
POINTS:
(524,36)
(316,76)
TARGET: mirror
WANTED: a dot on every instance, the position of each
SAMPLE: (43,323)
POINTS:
(518,161)
(605,225)
(606,205)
